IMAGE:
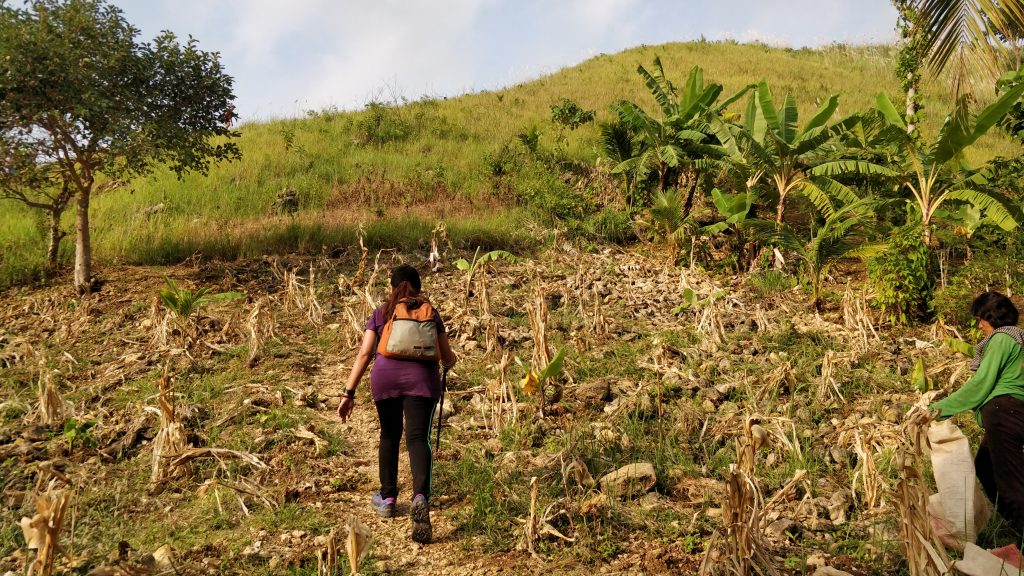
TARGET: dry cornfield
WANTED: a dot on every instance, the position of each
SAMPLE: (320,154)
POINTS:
(771,429)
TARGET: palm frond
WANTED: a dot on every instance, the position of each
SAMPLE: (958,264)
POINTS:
(851,168)
(998,210)
(960,33)
(772,233)
(635,118)
(616,141)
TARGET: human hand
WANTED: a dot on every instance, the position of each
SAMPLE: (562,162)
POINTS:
(345,408)
(921,416)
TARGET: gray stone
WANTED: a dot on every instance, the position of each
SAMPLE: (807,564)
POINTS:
(783,529)
(595,392)
(839,506)
(630,480)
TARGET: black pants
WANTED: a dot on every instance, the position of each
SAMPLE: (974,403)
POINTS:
(1000,460)
(418,412)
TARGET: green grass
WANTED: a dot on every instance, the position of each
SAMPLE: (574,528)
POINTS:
(402,167)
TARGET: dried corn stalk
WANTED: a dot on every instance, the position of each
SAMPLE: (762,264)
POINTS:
(531,523)
(551,388)
(761,319)
(327,557)
(51,408)
(357,545)
(710,326)
(42,531)
(170,440)
(866,476)
(925,554)
(827,388)
(744,551)
(857,319)
(598,324)
(303,296)
(259,327)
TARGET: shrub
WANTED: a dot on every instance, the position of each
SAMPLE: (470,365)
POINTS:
(569,114)
(381,123)
(610,225)
(899,275)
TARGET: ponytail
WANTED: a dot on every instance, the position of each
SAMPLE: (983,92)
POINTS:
(403,290)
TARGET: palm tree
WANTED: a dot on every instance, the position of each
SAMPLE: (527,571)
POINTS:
(931,173)
(841,236)
(770,145)
(970,35)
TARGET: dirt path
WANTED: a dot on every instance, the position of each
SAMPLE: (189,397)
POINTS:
(392,549)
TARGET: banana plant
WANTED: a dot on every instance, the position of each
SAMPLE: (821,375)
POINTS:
(769,144)
(929,174)
(735,209)
(841,236)
(680,139)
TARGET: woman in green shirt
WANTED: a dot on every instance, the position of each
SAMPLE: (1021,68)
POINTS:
(996,395)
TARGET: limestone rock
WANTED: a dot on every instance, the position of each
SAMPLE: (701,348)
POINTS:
(783,529)
(830,571)
(839,507)
(595,392)
(630,480)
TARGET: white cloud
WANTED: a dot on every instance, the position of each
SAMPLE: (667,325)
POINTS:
(300,54)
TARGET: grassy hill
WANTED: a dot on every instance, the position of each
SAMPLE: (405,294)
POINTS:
(402,167)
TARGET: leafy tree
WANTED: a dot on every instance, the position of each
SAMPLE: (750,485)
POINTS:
(931,173)
(83,101)
(842,235)
(680,139)
(569,114)
(23,179)
(769,144)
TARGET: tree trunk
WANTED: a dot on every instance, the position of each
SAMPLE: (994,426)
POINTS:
(83,249)
(56,235)
(911,107)
(781,208)
(692,180)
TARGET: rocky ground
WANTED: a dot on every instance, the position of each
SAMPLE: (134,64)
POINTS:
(622,463)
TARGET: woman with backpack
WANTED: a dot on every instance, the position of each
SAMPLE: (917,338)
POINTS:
(409,339)
(996,395)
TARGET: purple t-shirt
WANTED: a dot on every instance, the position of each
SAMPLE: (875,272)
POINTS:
(392,377)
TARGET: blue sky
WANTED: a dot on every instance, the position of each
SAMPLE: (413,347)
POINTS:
(288,56)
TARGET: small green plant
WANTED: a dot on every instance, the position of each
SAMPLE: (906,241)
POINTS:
(480,262)
(899,275)
(569,114)
(184,302)
(530,138)
(76,432)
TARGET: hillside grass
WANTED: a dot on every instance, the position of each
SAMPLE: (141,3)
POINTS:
(455,160)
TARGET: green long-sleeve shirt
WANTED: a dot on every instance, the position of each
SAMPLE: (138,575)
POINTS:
(1001,372)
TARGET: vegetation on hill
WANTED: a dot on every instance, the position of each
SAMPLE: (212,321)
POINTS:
(480,155)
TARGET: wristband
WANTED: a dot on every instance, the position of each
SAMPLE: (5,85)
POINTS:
(350,394)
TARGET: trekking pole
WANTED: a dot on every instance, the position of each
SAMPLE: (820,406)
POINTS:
(440,407)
